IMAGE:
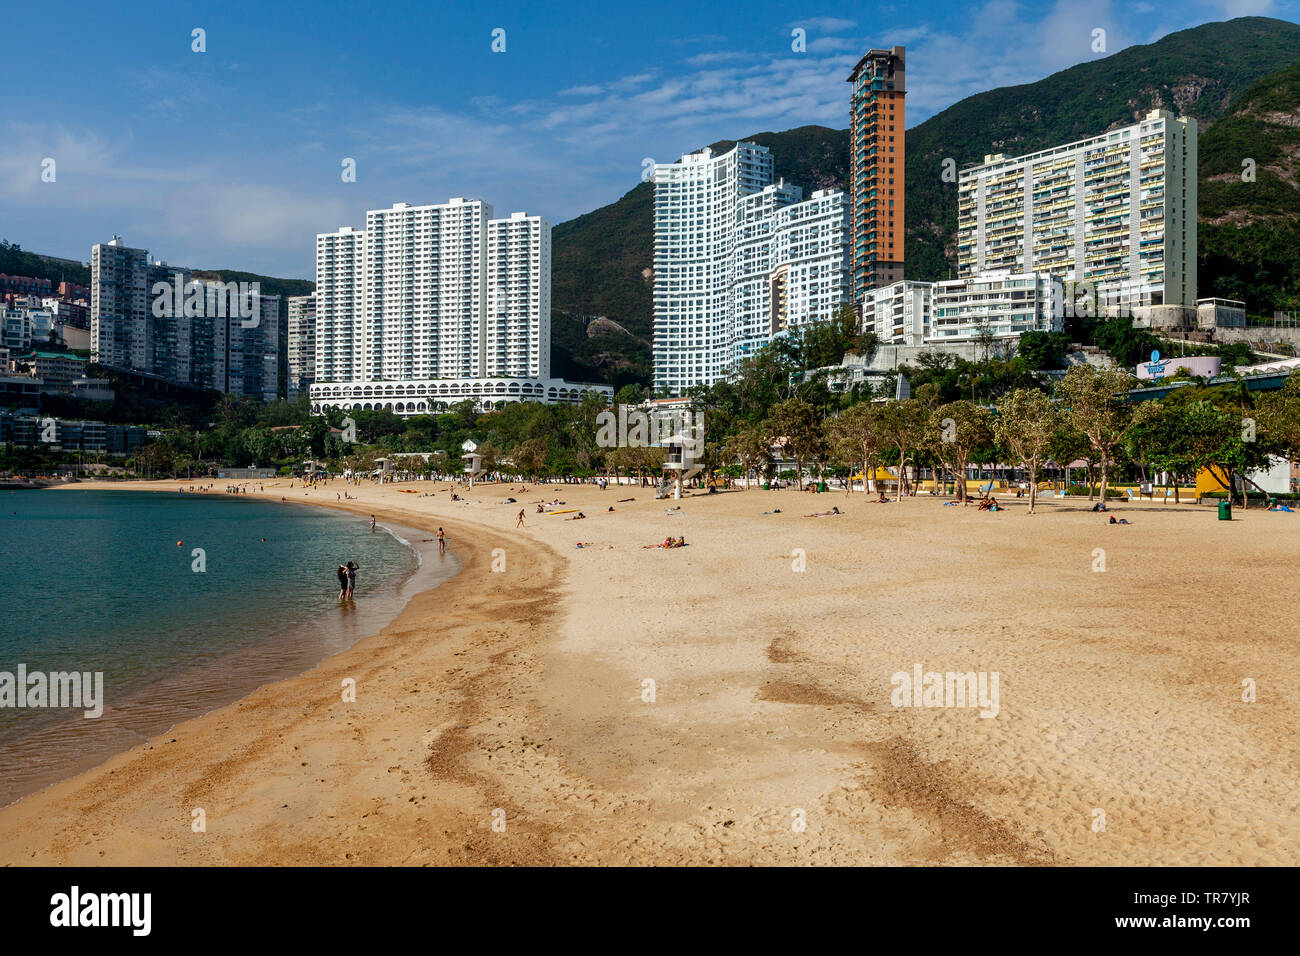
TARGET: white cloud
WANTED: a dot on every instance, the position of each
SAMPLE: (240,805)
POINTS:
(825,24)
(1245,8)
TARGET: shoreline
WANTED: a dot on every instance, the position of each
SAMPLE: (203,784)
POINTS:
(287,648)
(189,739)
(621,704)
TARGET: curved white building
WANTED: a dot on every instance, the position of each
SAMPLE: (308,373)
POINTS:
(737,260)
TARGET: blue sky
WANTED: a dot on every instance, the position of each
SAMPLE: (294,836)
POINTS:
(231,158)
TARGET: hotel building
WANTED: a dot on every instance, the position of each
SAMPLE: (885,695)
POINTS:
(1116,210)
(433,305)
(876,166)
(738,259)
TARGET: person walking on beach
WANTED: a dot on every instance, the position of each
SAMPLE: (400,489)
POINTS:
(343,581)
(520,522)
(372,524)
(442,542)
(352,578)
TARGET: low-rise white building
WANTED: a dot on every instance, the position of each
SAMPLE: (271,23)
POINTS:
(431,396)
(899,312)
(1003,304)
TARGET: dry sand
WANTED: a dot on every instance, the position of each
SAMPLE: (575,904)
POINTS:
(523,691)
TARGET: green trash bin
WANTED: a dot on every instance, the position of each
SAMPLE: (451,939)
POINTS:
(1225,510)
(821,487)
(765,486)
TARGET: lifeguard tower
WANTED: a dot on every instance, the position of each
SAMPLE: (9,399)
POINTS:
(679,462)
(472,459)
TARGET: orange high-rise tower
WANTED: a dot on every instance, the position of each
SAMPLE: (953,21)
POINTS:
(876,155)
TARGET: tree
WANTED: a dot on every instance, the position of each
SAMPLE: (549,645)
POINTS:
(1278,416)
(1043,350)
(489,456)
(903,424)
(1094,399)
(795,427)
(855,435)
(749,446)
(530,456)
(954,434)
(1215,439)
(1025,427)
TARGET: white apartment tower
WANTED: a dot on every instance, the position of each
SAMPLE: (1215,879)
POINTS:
(515,339)
(430,305)
(1116,210)
(738,259)
(340,302)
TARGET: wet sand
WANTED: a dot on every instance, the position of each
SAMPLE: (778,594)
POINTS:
(522,695)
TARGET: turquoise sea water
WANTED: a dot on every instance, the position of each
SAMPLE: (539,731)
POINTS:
(106,581)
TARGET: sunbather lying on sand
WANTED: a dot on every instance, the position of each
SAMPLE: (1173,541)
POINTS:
(824,514)
(668,542)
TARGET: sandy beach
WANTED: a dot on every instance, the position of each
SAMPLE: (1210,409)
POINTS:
(768,734)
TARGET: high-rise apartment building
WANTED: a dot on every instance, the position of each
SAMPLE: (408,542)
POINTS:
(738,259)
(1116,210)
(432,305)
(150,317)
(253,347)
(301,343)
(876,168)
(340,304)
(515,341)
(121,334)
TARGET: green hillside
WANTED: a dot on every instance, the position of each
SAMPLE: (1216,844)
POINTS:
(268,284)
(1249,232)
(16,261)
(600,262)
